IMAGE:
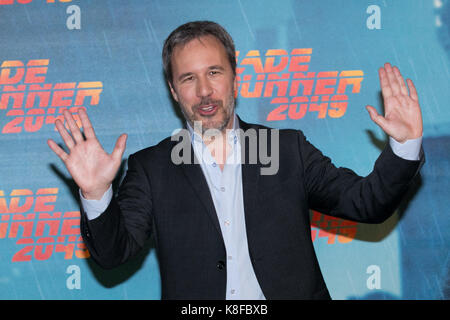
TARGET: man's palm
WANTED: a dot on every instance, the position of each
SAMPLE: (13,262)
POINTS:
(89,165)
(402,119)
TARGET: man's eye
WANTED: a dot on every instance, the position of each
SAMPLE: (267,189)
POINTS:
(213,72)
(188,79)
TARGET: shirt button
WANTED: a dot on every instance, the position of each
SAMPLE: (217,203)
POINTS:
(227,223)
(233,291)
(222,189)
(230,257)
(214,164)
(220,265)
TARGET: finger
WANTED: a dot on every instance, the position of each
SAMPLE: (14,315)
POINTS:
(58,150)
(120,146)
(74,130)
(64,134)
(86,123)
(378,119)
(384,83)
(412,90)
(392,79)
(400,81)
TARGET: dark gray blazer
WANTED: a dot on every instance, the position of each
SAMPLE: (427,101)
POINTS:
(173,203)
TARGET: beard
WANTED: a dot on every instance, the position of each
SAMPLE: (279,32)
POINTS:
(218,121)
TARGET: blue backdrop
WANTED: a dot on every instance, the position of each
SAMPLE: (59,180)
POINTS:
(302,64)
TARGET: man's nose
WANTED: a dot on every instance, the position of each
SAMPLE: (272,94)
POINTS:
(204,88)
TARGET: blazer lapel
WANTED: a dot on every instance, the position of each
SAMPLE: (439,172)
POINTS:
(195,176)
(250,177)
(250,173)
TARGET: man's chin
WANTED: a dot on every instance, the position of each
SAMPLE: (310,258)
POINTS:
(211,125)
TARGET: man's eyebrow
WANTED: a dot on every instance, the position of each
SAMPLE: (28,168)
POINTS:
(184,75)
(215,67)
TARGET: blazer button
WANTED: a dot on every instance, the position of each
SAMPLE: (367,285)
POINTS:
(220,265)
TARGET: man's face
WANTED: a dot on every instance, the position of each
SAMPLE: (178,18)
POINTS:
(203,83)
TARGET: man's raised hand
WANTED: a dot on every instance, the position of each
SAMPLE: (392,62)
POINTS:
(89,165)
(402,117)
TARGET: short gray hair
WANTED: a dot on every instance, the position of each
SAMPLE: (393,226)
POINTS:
(194,30)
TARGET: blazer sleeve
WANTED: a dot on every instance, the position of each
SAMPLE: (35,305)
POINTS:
(121,231)
(342,193)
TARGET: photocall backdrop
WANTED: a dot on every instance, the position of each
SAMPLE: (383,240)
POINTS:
(308,65)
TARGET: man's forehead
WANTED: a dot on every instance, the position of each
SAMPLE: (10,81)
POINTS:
(191,56)
(207,41)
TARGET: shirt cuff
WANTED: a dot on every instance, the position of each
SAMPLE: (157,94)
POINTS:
(94,208)
(409,150)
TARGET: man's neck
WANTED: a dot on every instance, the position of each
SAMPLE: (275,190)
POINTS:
(218,144)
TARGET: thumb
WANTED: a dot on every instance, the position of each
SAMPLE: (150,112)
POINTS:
(378,119)
(120,146)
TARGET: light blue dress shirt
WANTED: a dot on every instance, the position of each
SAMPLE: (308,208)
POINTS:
(226,191)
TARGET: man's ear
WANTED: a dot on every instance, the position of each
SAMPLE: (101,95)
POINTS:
(172,90)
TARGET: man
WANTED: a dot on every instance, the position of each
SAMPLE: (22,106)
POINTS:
(222,229)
